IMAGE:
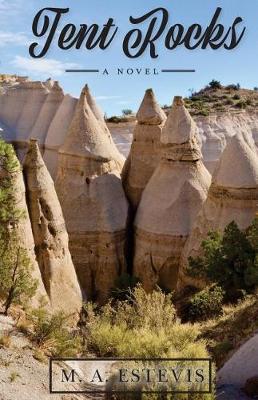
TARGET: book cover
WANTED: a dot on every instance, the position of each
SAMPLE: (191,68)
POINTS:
(128,200)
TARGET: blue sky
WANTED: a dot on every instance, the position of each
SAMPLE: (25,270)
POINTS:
(117,92)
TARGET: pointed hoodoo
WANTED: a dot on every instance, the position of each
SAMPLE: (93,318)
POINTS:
(179,136)
(94,204)
(47,113)
(170,202)
(50,236)
(144,154)
(233,195)
(57,133)
(23,227)
(93,105)
(150,113)
(98,114)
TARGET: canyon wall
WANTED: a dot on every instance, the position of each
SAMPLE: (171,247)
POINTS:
(41,110)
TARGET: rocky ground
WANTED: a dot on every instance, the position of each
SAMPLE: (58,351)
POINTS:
(229,392)
(22,376)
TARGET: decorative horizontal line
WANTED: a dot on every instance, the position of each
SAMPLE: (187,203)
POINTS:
(178,70)
(82,70)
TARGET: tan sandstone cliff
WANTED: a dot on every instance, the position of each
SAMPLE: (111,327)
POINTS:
(23,102)
(93,201)
(144,154)
(50,236)
(170,202)
(233,195)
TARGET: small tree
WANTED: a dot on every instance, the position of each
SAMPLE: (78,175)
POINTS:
(127,112)
(230,260)
(16,283)
(215,84)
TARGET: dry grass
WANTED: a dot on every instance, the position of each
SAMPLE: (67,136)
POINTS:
(226,333)
(5,340)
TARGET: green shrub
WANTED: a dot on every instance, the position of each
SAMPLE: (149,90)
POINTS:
(123,286)
(117,120)
(234,87)
(144,326)
(127,111)
(206,304)
(204,113)
(241,104)
(229,259)
(214,84)
(52,333)
(228,102)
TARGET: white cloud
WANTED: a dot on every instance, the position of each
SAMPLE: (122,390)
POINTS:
(7,38)
(103,98)
(43,67)
(10,7)
(123,102)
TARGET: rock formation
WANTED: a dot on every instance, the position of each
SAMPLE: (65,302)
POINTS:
(213,145)
(233,195)
(24,232)
(144,154)
(94,204)
(170,202)
(34,95)
(57,133)
(50,236)
(47,113)
(241,366)
(25,113)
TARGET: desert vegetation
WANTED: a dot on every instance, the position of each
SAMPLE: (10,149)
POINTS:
(215,98)
(16,283)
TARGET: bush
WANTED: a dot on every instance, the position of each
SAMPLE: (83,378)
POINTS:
(124,286)
(230,260)
(143,326)
(234,87)
(206,304)
(5,340)
(127,111)
(215,84)
(236,97)
(117,120)
(241,104)
(53,334)
(204,113)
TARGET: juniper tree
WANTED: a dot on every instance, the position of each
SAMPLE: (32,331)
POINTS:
(229,259)
(16,282)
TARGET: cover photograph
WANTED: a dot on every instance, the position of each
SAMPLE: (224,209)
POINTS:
(128,200)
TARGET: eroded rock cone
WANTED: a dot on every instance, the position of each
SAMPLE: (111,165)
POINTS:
(98,114)
(50,236)
(144,154)
(47,113)
(170,202)
(233,195)
(24,231)
(93,201)
(57,133)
